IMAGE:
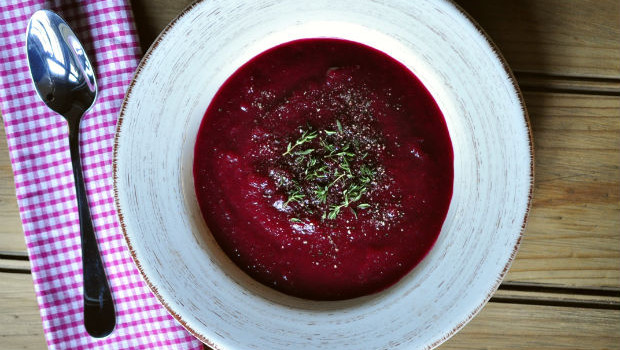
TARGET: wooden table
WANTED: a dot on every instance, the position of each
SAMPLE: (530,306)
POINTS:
(563,291)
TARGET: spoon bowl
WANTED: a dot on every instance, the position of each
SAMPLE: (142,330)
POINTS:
(65,81)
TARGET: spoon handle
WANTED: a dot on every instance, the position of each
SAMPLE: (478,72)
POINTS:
(99,315)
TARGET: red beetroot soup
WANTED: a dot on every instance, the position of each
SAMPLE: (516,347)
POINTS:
(324,169)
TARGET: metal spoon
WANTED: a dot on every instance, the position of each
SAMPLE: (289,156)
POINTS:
(65,81)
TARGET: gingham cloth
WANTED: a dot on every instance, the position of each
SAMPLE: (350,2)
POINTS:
(39,151)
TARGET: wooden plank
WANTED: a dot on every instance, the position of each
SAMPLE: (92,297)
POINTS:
(21,323)
(558,37)
(508,326)
(151,16)
(573,235)
(498,326)
(11,232)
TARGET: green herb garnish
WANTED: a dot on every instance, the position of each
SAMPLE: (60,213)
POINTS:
(307,136)
(294,197)
(331,167)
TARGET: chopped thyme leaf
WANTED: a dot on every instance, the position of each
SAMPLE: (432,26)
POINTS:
(321,195)
(294,197)
(328,147)
(353,211)
(334,211)
(310,164)
(338,178)
(333,170)
(305,152)
(366,171)
(294,220)
(306,136)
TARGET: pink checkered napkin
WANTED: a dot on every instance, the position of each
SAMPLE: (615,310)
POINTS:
(39,151)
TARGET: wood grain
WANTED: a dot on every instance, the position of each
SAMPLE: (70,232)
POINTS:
(153,15)
(553,37)
(19,316)
(573,238)
(573,235)
(11,232)
(530,326)
(558,37)
(508,326)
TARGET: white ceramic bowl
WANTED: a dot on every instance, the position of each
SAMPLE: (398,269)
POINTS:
(224,307)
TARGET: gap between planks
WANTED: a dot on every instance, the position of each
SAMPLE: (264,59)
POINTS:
(587,85)
(607,298)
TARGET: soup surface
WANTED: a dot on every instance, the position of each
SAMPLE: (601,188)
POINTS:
(324,169)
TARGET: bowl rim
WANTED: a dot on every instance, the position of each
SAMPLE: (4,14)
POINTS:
(447,334)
